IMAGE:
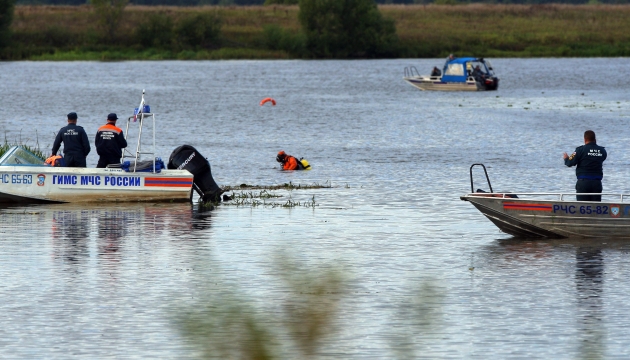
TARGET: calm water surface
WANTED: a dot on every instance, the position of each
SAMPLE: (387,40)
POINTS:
(110,281)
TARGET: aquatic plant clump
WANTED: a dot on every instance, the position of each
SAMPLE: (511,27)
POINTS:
(285,186)
(253,202)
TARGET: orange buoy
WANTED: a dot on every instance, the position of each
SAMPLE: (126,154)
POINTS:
(266,100)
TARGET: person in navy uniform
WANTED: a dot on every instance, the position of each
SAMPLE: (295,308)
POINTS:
(76,145)
(109,142)
(589,159)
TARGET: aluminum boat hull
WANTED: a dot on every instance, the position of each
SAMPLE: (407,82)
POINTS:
(430,83)
(41,184)
(554,219)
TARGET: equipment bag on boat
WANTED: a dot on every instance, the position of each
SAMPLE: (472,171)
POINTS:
(144,166)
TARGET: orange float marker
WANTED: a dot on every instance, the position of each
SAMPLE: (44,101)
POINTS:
(266,100)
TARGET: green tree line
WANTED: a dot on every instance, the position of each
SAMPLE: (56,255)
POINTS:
(294,2)
(330,29)
(111,30)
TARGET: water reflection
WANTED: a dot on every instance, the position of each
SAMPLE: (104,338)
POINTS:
(105,230)
(589,281)
(70,235)
(588,278)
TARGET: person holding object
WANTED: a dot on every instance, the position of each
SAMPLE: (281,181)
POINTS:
(76,145)
(109,142)
(589,159)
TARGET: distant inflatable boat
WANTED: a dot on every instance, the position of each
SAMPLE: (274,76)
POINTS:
(457,75)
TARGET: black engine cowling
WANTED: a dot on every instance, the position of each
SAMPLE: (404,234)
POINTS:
(188,158)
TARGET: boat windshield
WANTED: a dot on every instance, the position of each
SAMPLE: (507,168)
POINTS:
(18,155)
(454,70)
(489,65)
(484,66)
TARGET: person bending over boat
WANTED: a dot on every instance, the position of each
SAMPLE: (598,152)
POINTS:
(589,159)
(289,162)
(76,145)
(436,71)
(110,141)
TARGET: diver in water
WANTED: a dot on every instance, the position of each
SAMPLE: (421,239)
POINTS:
(289,162)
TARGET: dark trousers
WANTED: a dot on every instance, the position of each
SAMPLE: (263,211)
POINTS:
(588,186)
(74,160)
(103,162)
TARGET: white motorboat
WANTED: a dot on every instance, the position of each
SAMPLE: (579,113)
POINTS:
(457,75)
(26,178)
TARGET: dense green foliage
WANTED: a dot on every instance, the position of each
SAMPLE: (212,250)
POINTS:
(277,38)
(275,32)
(156,31)
(292,2)
(281,2)
(346,29)
(109,14)
(6,17)
(197,31)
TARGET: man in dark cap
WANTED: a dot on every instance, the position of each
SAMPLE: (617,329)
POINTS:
(76,145)
(589,159)
(110,141)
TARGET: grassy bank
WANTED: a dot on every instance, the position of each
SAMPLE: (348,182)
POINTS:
(72,33)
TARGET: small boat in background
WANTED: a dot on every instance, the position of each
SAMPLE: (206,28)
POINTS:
(550,215)
(458,74)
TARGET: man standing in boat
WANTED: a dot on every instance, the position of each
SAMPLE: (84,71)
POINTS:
(110,141)
(589,159)
(76,145)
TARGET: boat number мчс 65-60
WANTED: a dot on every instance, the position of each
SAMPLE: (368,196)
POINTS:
(16,179)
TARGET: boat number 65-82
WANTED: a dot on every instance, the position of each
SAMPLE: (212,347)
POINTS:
(16,179)
(599,210)
(584,209)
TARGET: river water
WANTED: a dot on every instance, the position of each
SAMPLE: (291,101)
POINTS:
(422,274)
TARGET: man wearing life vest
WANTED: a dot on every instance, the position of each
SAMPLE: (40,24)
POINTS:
(289,162)
(110,141)
(76,145)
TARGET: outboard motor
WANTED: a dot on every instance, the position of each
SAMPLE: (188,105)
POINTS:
(188,158)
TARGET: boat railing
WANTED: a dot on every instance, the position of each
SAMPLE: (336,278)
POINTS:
(140,117)
(560,196)
(513,195)
(472,187)
(410,71)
